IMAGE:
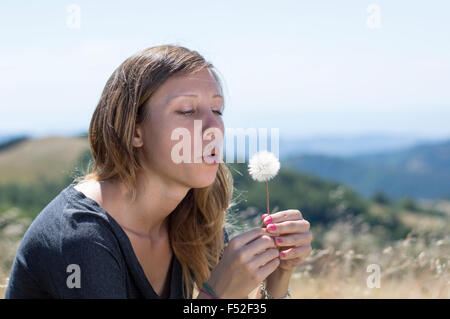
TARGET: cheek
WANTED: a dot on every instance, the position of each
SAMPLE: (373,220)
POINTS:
(159,145)
(157,142)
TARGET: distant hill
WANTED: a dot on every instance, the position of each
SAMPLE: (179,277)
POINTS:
(51,157)
(332,145)
(7,141)
(421,171)
(346,146)
(323,203)
(34,171)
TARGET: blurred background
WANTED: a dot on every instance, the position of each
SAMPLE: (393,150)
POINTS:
(359,91)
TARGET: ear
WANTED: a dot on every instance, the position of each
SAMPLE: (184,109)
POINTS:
(138,137)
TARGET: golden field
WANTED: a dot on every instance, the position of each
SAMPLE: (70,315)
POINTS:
(415,267)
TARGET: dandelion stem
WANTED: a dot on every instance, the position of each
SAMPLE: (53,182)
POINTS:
(267,195)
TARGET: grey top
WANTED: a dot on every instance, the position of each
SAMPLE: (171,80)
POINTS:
(75,249)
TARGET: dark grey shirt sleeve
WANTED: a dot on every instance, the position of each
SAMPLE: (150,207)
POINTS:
(91,251)
(77,262)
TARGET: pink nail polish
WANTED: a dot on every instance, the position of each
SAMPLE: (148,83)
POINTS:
(283,254)
(267,220)
(279,240)
(272,227)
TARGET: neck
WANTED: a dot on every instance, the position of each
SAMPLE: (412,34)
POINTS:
(156,198)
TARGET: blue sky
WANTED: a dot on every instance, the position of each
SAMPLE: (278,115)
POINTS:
(307,67)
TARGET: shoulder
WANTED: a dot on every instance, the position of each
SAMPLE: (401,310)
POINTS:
(89,189)
(85,228)
(69,230)
(69,219)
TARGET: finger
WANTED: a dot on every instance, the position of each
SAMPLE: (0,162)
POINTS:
(256,247)
(289,227)
(264,271)
(293,262)
(244,238)
(263,217)
(285,215)
(260,260)
(294,239)
(296,252)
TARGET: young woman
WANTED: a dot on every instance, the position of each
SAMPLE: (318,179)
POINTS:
(143,225)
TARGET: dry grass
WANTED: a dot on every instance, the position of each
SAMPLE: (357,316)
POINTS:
(408,270)
(3,283)
(12,229)
(415,267)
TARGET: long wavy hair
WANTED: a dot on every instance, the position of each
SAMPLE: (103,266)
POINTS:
(196,224)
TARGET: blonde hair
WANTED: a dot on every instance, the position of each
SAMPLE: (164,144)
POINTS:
(196,224)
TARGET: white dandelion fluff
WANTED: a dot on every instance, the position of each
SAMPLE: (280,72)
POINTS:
(263,166)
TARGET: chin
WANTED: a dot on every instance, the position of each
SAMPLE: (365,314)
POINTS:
(203,179)
(201,183)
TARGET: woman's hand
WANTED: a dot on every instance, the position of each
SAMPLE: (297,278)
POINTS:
(291,235)
(248,259)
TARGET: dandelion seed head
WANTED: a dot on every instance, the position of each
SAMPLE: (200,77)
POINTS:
(263,166)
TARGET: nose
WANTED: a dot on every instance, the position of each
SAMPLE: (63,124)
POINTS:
(213,124)
(212,131)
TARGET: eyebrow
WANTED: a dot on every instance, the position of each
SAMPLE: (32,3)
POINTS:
(192,95)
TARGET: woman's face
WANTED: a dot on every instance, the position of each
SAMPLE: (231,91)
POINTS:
(167,135)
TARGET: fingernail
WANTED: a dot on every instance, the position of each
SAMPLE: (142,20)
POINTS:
(264,216)
(272,227)
(283,254)
(279,240)
(268,220)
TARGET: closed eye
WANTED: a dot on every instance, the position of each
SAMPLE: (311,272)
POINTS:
(192,111)
(185,112)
